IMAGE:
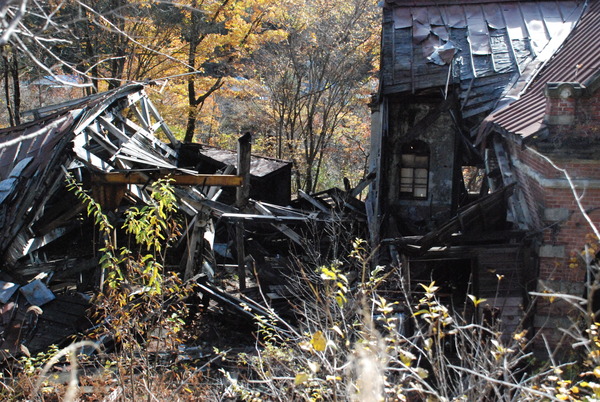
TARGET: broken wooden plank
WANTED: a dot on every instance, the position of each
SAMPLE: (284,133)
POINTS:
(355,192)
(197,228)
(139,130)
(214,192)
(313,201)
(242,195)
(87,157)
(263,218)
(243,169)
(295,237)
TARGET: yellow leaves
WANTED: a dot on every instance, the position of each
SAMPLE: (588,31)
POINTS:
(301,378)
(384,307)
(318,341)
(337,330)
(328,274)
(475,300)
(406,357)
(313,366)
(333,276)
(430,289)
(594,386)
(428,344)
(520,337)
(501,350)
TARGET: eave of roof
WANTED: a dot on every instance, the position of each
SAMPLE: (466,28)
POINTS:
(578,60)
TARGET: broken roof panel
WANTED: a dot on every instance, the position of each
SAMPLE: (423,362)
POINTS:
(489,38)
(93,133)
(577,61)
(260,166)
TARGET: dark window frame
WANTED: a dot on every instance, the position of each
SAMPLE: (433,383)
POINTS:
(414,170)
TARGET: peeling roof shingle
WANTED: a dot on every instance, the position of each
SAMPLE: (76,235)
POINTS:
(578,60)
(481,46)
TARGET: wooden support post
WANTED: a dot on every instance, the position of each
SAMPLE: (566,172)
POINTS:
(243,170)
(241,200)
(241,253)
(191,249)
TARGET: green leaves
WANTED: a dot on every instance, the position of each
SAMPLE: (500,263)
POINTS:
(134,282)
(149,224)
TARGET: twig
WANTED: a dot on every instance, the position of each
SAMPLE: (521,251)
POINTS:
(507,384)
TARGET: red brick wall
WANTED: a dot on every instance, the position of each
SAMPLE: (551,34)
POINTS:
(588,109)
(561,106)
(542,193)
(573,124)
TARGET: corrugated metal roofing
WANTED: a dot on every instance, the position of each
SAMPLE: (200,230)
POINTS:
(577,61)
(483,46)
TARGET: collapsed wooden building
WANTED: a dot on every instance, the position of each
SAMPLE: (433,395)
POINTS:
(110,143)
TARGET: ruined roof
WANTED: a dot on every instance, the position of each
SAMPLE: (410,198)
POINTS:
(260,166)
(577,61)
(91,133)
(485,47)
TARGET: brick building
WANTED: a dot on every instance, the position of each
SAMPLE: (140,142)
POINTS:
(507,92)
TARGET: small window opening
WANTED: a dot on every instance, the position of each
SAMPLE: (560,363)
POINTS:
(414,170)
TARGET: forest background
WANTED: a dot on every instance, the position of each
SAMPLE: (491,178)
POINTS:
(298,74)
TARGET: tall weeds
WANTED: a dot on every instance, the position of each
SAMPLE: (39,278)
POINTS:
(354,344)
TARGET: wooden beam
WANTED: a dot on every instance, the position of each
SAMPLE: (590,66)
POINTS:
(264,218)
(314,201)
(285,229)
(180,179)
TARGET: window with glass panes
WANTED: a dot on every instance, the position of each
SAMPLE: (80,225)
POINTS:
(414,170)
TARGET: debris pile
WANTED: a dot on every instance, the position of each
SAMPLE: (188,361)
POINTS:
(235,211)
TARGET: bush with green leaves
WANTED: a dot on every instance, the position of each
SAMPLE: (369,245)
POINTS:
(139,301)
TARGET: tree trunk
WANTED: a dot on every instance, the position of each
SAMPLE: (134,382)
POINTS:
(11,73)
(6,75)
(16,86)
(191,125)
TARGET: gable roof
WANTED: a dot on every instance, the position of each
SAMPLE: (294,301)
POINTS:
(578,60)
(485,47)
